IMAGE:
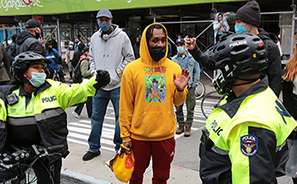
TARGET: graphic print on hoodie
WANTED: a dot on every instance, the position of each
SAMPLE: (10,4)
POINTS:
(155,88)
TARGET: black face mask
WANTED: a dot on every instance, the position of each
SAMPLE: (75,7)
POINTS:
(49,50)
(157,53)
(37,35)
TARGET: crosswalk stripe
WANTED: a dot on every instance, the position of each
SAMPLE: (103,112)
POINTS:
(104,139)
(79,130)
(85,143)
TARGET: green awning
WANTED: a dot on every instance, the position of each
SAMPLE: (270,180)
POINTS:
(48,7)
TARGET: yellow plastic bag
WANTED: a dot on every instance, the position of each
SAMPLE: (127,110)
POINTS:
(123,166)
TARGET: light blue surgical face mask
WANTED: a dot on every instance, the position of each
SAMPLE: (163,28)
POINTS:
(240,29)
(37,79)
(180,49)
(104,26)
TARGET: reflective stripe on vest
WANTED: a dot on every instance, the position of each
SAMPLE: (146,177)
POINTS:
(2,125)
(49,114)
(3,113)
(21,121)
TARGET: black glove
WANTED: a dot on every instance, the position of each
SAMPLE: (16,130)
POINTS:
(102,79)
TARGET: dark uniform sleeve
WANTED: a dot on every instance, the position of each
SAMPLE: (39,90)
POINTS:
(288,98)
(254,161)
(214,168)
(202,58)
(273,70)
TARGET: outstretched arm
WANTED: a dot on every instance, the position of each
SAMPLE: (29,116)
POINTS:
(160,79)
(190,43)
(202,58)
(148,76)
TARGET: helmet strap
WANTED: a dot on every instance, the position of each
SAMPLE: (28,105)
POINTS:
(248,81)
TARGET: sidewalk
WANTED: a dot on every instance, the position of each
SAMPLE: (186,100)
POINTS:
(75,170)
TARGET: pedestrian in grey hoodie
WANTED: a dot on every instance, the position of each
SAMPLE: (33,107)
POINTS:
(220,24)
(111,50)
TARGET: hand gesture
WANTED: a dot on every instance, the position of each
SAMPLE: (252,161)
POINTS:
(102,79)
(182,81)
(190,42)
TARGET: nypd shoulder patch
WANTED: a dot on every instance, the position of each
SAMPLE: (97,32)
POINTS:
(249,145)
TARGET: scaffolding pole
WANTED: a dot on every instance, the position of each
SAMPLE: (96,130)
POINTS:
(58,36)
(293,30)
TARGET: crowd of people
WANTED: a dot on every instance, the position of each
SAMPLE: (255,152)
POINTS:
(244,139)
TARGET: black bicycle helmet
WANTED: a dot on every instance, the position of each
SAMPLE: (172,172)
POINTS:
(23,60)
(235,55)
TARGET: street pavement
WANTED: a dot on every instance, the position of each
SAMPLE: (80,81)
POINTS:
(184,168)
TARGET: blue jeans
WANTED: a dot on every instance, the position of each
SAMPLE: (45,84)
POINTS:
(100,102)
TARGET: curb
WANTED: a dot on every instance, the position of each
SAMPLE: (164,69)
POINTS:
(69,177)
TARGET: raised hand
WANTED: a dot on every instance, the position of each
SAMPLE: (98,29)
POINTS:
(190,42)
(182,81)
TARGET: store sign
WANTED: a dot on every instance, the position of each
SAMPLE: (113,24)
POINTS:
(27,2)
(49,7)
(11,5)
(39,18)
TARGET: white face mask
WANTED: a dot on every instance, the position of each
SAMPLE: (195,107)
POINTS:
(180,49)
(37,79)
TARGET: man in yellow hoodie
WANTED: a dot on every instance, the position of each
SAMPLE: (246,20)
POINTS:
(150,86)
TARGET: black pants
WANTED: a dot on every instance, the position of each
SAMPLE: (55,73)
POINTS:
(88,103)
(45,172)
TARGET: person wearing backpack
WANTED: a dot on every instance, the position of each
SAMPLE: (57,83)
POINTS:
(84,70)
(77,54)
(77,77)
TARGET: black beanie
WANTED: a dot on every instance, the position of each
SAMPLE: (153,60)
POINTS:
(249,13)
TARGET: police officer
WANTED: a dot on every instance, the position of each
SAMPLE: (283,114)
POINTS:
(244,140)
(32,111)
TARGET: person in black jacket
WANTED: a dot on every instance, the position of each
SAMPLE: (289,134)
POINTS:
(136,47)
(289,85)
(11,48)
(77,54)
(4,66)
(290,91)
(247,20)
(28,40)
